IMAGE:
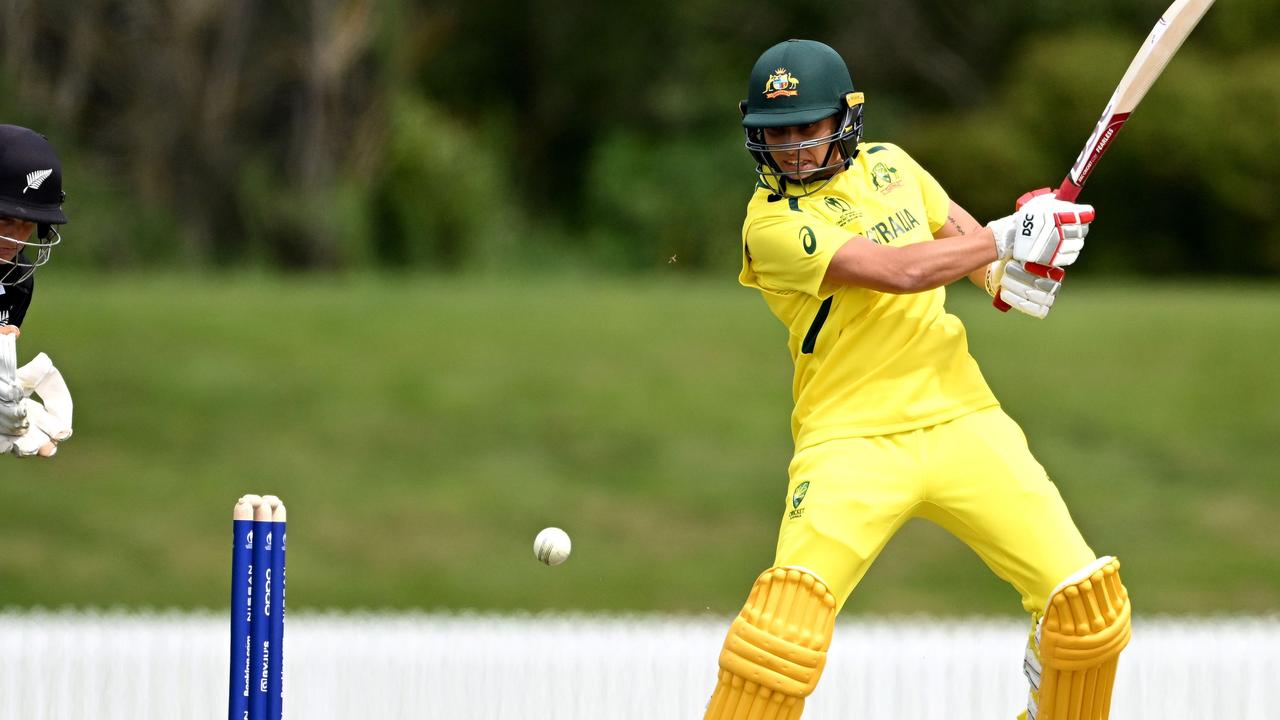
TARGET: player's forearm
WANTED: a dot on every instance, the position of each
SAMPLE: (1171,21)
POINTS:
(979,277)
(912,268)
(961,222)
(930,265)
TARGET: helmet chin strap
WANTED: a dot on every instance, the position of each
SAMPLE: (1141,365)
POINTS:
(832,147)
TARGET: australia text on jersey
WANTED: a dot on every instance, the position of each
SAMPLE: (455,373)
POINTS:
(891,227)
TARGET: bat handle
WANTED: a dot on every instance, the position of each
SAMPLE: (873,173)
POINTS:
(1046,271)
(1068,190)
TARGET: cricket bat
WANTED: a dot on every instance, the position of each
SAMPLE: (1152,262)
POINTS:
(1165,39)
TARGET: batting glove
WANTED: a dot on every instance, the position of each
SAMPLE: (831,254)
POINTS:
(1044,231)
(1014,285)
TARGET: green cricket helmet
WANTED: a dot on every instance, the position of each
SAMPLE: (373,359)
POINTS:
(798,82)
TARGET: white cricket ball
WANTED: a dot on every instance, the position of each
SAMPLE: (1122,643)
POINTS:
(552,545)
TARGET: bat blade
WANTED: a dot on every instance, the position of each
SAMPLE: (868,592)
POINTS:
(1164,40)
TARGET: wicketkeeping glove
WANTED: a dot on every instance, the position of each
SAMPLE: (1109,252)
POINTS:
(49,418)
(13,415)
(54,411)
(32,442)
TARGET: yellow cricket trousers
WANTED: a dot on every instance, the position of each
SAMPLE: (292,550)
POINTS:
(974,476)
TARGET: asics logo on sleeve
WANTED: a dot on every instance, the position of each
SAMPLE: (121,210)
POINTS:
(808,240)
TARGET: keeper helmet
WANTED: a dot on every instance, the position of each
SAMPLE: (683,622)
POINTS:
(31,190)
(798,82)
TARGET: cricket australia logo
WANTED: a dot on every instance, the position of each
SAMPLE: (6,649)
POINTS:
(36,178)
(781,83)
(797,497)
(844,212)
(885,178)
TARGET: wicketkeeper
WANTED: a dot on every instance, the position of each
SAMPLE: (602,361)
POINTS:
(851,243)
(35,405)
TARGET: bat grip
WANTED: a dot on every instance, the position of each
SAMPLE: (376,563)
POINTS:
(1068,190)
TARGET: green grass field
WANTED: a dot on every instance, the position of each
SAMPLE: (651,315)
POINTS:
(422,430)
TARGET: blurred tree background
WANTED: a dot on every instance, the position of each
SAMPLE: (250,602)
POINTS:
(492,134)
(312,150)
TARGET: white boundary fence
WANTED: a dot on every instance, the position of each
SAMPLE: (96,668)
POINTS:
(109,666)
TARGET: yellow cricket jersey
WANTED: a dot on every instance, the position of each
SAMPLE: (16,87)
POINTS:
(866,362)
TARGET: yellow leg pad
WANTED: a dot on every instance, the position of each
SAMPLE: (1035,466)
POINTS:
(776,648)
(1085,627)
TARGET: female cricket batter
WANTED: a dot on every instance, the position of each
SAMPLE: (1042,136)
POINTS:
(30,209)
(850,244)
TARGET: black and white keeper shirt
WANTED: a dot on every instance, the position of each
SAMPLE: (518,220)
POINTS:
(14,301)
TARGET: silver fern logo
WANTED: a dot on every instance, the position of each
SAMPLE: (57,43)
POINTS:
(36,178)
